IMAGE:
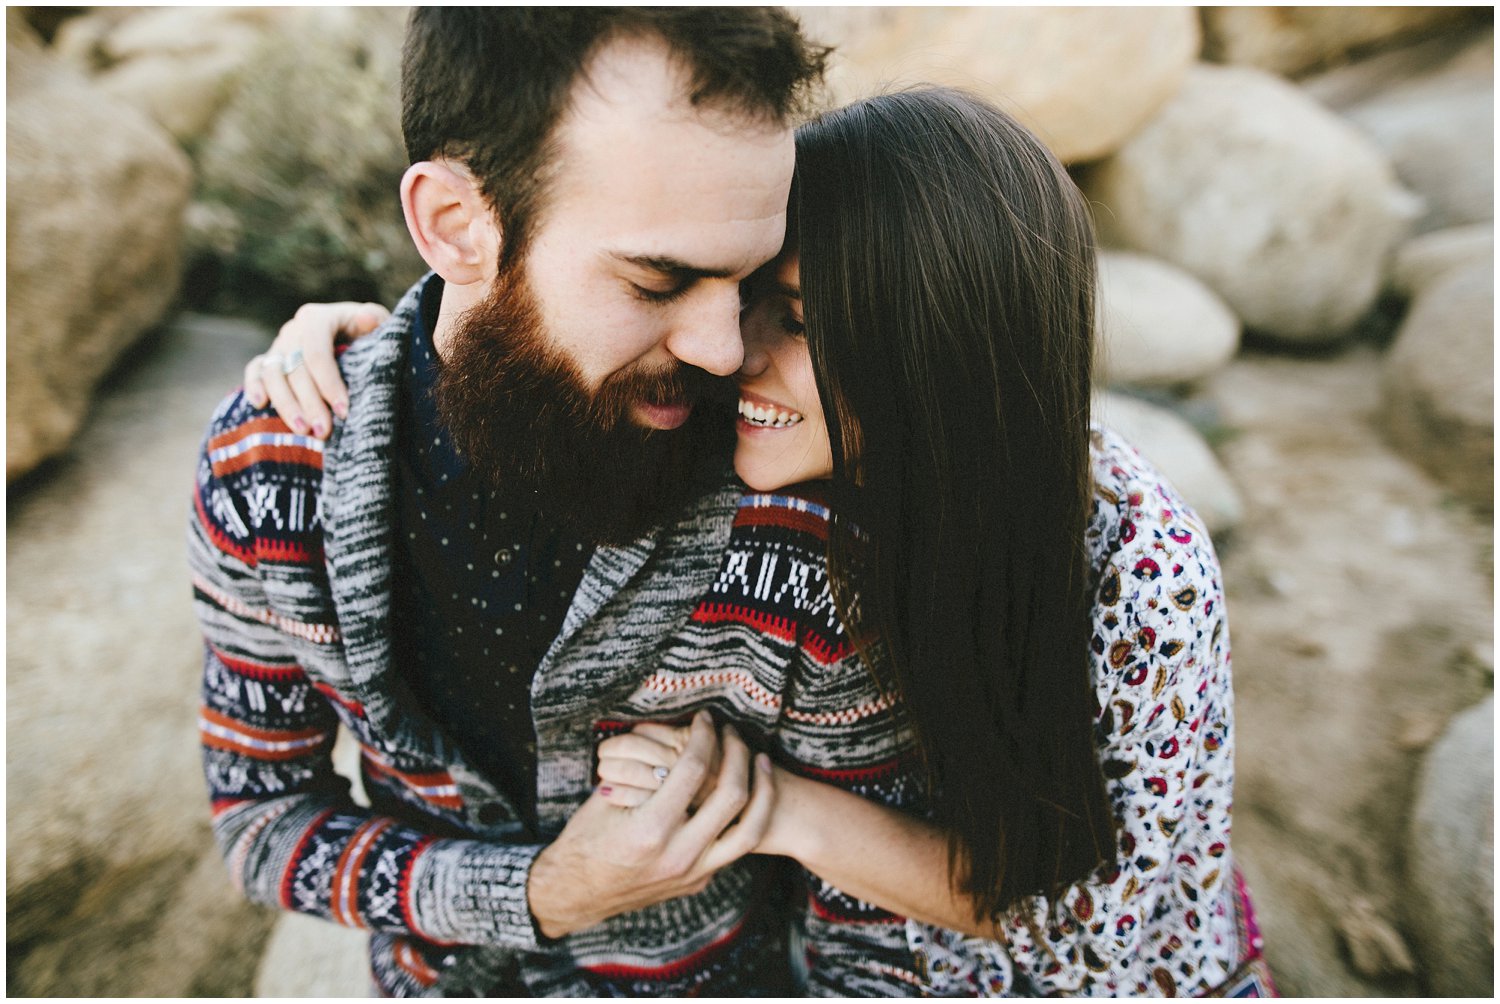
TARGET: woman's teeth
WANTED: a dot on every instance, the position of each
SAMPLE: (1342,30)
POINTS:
(770,418)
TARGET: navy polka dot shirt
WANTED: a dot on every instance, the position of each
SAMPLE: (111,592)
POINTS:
(482,584)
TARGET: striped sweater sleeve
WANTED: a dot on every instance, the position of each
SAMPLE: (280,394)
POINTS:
(283,818)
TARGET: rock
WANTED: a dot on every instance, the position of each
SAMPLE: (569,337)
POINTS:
(1082,79)
(1439,131)
(113,882)
(1425,259)
(94,201)
(1439,382)
(1283,209)
(1177,450)
(1450,858)
(1322,790)
(1373,944)
(307,158)
(1158,325)
(1291,40)
(311,957)
(177,64)
(1418,729)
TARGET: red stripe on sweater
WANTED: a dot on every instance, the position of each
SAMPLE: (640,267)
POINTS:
(403,892)
(852,774)
(287,552)
(413,964)
(254,427)
(218,537)
(343,899)
(258,670)
(672,970)
(820,650)
(718,613)
(290,875)
(791,519)
(878,916)
(294,455)
(353,707)
(267,735)
(414,782)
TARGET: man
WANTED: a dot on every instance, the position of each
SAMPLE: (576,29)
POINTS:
(590,187)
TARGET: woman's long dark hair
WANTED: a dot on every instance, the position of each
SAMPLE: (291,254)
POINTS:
(947,266)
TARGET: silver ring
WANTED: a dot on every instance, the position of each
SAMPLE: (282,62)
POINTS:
(660,773)
(292,362)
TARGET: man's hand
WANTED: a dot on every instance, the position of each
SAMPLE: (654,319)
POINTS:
(610,860)
(303,396)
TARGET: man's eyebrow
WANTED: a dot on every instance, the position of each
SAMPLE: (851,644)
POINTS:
(671,266)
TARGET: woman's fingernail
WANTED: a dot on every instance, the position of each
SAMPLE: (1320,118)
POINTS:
(341,409)
(763,763)
(299,426)
(605,790)
(320,430)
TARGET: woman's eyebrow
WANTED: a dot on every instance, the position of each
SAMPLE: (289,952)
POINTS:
(789,291)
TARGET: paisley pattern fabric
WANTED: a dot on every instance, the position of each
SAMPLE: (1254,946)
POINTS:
(1162,920)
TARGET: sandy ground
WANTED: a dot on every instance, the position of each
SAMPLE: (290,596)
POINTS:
(1360,604)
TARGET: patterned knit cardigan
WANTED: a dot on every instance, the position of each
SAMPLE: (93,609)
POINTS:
(290,548)
(729,610)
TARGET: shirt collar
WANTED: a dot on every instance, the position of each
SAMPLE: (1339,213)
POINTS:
(436,460)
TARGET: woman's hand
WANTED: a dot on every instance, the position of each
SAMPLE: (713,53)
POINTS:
(303,394)
(633,765)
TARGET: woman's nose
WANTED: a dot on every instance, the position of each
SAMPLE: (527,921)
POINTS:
(756,358)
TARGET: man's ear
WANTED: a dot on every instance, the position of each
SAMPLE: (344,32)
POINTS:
(455,231)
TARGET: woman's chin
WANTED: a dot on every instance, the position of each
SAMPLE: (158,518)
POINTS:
(760,477)
(757,481)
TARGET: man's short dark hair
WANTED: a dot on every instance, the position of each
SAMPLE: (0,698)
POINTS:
(487,85)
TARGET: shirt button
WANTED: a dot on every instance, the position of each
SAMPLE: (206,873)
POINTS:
(504,557)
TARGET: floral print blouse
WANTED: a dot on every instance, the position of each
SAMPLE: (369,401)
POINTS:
(1163,918)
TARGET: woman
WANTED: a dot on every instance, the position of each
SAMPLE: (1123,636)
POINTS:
(1039,612)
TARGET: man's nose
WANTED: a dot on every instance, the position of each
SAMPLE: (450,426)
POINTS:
(710,337)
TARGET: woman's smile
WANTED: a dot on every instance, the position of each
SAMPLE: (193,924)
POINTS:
(783,439)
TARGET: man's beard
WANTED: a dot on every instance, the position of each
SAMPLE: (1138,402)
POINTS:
(522,417)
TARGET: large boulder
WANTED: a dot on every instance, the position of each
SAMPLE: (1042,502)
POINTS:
(1451,854)
(177,64)
(1439,382)
(1180,453)
(1283,209)
(1291,40)
(95,193)
(1425,259)
(298,185)
(1158,326)
(1083,79)
(1438,128)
